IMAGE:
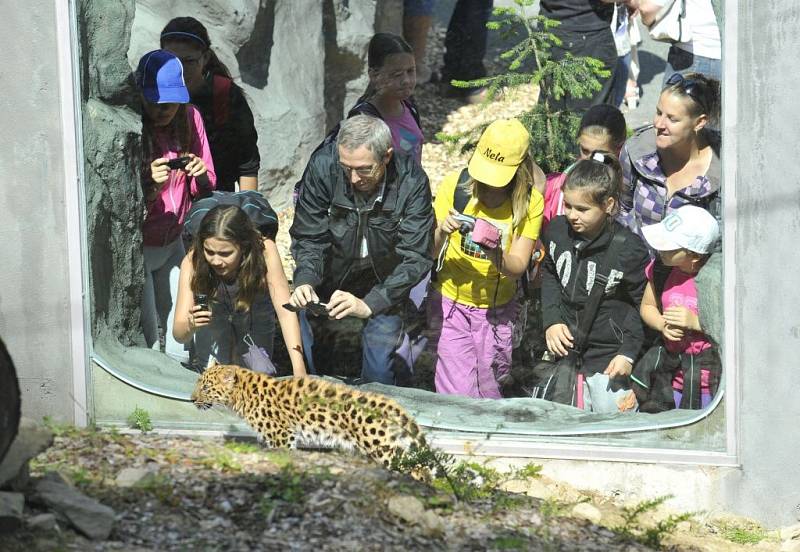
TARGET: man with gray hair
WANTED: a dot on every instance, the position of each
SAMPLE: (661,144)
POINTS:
(361,239)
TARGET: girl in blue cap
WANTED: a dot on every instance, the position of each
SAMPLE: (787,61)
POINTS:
(177,167)
(226,114)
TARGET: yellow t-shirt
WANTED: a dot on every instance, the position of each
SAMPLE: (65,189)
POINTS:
(467,275)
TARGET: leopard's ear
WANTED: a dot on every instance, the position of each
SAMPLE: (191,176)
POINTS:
(212,361)
(228,375)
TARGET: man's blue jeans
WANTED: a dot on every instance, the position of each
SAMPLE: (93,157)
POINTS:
(329,343)
(683,62)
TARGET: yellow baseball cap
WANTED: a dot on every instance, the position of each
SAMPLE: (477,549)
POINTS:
(502,147)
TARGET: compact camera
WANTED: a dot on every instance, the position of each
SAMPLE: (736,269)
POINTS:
(178,163)
(201,300)
(314,309)
(466,223)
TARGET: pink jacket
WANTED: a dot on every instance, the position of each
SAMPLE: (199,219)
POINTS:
(164,220)
(553,197)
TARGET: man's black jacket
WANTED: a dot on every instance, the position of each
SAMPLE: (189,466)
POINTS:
(398,229)
(570,265)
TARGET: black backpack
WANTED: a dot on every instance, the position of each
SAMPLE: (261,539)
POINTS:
(256,207)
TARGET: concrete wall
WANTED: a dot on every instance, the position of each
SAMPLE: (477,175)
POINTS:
(34,306)
(767,260)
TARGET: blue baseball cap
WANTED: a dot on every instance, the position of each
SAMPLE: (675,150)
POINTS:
(160,78)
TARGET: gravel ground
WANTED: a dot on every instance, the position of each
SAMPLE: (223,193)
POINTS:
(217,495)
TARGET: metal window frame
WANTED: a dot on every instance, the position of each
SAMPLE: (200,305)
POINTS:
(497,445)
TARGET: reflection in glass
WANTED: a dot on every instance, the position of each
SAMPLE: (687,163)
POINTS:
(291,96)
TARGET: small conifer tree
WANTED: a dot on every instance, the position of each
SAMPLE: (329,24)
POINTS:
(551,126)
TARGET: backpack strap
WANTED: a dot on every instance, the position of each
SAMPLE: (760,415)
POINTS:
(412,107)
(461,195)
(660,274)
(221,99)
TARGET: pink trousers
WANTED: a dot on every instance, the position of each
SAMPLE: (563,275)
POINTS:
(473,346)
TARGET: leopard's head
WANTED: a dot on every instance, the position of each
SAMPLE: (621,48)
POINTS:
(215,386)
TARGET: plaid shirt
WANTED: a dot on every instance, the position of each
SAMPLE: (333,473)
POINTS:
(644,200)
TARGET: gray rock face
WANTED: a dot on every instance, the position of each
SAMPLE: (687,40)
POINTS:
(114,214)
(112,149)
(11,506)
(90,517)
(32,439)
(42,522)
(132,477)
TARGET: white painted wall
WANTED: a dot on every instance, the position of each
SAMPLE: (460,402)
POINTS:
(34,295)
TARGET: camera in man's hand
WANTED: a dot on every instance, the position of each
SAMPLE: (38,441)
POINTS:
(314,309)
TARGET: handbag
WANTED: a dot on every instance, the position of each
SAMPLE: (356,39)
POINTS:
(554,380)
(670,23)
(257,358)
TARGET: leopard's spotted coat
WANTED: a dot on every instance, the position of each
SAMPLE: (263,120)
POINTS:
(311,412)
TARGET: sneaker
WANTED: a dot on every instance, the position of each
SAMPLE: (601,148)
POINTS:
(469,95)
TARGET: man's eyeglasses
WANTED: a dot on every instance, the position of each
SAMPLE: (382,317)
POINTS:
(364,172)
(693,88)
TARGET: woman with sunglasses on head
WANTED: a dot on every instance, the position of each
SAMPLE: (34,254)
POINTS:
(227,117)
(675,162)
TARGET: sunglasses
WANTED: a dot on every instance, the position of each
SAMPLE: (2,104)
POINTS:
(366,172)
(695,89)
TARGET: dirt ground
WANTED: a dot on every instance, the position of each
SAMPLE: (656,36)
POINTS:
(216,495)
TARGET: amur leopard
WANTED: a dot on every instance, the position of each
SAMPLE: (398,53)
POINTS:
(311,412)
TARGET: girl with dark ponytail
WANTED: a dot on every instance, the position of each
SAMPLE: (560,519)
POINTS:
(226,114)
(392,78)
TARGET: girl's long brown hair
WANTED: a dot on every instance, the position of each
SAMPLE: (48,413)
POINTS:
(230,223)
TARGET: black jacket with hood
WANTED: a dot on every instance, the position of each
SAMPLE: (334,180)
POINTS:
(398,228)
(570,265)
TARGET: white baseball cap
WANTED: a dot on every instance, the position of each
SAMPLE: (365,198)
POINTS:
(688,227)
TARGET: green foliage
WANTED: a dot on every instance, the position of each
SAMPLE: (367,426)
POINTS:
(529,61)
(510,542)
(162,488)
(222,460)
(528,471)
(242,447)
(288,487)
(140,419)
(744,535)
(61,429)
(468,481)
(633,529)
